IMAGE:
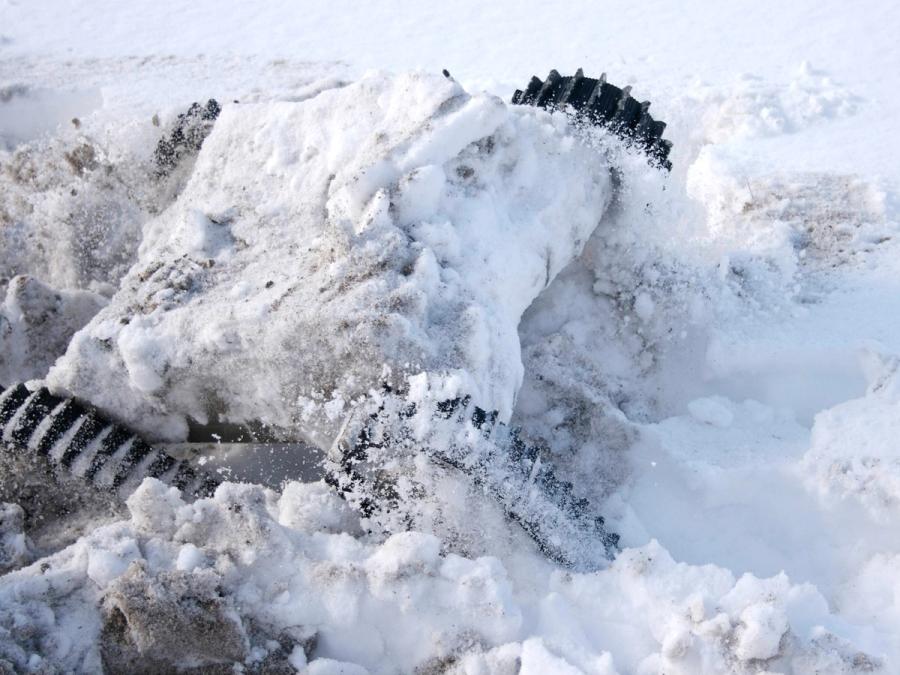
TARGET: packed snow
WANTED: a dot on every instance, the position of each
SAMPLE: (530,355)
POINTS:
(406,233)
(710,356)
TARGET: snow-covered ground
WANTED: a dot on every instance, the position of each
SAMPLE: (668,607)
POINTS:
(717,370)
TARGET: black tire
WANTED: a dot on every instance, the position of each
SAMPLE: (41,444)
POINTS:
(596,102)
(69,434)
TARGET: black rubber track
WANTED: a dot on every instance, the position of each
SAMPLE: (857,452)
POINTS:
(187,135)
(74,436)
(549,517)
(596,102)
(81,441)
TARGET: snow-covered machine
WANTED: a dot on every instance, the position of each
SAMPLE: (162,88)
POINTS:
(362,314)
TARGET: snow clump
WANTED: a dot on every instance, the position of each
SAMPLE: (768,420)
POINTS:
(271,590)
(394,226)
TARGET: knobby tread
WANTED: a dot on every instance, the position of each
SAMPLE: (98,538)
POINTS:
(39,422)
(596,102)
(63,419)
(12,400)
(111,443)
(184,476)
(23,414)
(90,428)
(34,411)
(186,136)
(161,465)
(525,467)
(136,452)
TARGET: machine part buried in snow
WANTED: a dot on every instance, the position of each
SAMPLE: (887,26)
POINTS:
(186,137)
(595,102)
(82,442)
(489,453)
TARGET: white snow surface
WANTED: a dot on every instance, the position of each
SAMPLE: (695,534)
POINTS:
(715,366)
(386,228)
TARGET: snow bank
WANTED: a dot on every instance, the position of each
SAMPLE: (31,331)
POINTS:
(755,108)
(323,248)
(854,453)
(36,324)
(281,589)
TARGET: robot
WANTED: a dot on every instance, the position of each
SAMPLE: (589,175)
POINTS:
(390,425)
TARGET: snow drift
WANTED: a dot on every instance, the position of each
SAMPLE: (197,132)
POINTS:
(696,366)
(325,248)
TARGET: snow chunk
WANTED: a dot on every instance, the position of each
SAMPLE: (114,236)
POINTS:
(189,558)
(403,554)
(108,562)
(397,225)
(14,545)
(36,324)
(313,507)
(854,453)
(153,506)
(713,410)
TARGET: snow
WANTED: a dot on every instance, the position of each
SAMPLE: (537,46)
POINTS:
(852,454)
(714,366)
(712,410)
(645,612)
(37,323)
(13,542)
(388,289)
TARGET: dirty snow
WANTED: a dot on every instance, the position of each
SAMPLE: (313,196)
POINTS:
(370,250)
(714,366)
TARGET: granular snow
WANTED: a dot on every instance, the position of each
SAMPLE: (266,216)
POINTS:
(759,279)
(390,227)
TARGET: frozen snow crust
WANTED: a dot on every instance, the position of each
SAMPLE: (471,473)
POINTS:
(326,248)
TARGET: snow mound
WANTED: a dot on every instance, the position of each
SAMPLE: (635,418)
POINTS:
(854,453)
(792,218)
(36,324)
(755,108)
(394,226)
(272,589)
